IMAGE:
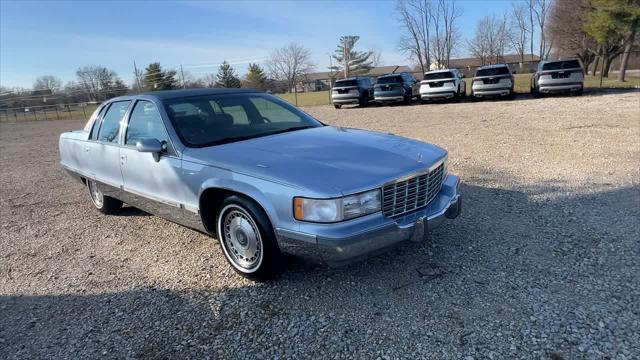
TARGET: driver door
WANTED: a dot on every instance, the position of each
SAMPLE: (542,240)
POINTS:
(151,183)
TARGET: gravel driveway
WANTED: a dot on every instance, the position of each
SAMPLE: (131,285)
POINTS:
(543,263)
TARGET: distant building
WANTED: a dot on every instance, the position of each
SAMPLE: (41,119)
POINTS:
(469,65)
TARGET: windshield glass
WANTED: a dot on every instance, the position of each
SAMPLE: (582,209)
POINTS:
(344,83)
(389,79)
(438,76)
(559,65)
(503,70)
(218,119)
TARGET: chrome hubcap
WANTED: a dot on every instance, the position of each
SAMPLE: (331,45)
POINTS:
(95,193)
(242,240)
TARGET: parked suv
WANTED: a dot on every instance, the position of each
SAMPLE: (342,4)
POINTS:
(442,84)
(558,76)
(353,90)
(396,87)
(492,80)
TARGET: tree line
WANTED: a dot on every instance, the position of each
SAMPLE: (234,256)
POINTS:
(594,31)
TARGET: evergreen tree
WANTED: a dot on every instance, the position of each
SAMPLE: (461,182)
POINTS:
(255,78)
(227,77)
(352,62)
(155,78)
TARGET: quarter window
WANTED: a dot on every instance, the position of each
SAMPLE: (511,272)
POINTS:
(111,123)
(96,124)
(145,123)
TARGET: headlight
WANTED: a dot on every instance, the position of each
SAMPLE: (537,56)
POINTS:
(333,210)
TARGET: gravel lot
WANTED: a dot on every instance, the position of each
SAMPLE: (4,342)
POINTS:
(543,263)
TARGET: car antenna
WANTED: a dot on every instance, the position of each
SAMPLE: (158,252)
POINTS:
(394,70)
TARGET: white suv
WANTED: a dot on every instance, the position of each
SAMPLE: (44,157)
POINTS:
(442,84)
(558,76)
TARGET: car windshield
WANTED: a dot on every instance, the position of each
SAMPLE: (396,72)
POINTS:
(218,119)
(345,83)
(559,65)
(438,75)
(389,79)
(503,70)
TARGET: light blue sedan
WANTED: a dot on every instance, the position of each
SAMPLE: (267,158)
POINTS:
(261,176)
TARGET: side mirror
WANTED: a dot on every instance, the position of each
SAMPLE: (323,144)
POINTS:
(153,146)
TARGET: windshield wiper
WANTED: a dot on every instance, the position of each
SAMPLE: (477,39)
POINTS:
(295,128)
(231,139)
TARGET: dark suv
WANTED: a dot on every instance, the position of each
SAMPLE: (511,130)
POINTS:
(396,87)
(353,90)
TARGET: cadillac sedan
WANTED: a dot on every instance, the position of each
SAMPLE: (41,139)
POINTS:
(260,175)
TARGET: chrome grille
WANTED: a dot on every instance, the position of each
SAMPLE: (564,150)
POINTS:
(413,193)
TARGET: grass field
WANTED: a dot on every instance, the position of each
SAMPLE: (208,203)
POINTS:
(522,86)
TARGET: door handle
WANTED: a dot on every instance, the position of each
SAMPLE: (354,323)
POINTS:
(123,159)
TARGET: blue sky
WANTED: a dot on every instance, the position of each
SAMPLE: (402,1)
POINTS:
(56,37)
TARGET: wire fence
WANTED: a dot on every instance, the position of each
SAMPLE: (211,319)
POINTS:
(74,111)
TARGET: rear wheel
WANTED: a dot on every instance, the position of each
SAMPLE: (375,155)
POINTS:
(407,98)
(247,239)
(337,106)
(105,204)
(579,92)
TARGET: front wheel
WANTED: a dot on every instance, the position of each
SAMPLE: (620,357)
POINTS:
(407,98)
(105,204)
(337,106)
(247,239)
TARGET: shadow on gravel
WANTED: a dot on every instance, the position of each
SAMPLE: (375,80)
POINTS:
(531,271)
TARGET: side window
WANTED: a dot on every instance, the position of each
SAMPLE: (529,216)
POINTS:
(238,114)
(145,123)
(111,122)
(273,111)
(93,135)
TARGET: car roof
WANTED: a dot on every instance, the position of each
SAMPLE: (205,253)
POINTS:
(492,66)
(172,94)
(352,78)
(392,74)
(439,71)
(559,60)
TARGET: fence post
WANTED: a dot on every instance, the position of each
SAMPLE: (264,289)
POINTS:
(83,111)
(35,114)
(57,115)
(69,110)
(45,114)
(15,115)
(25,114)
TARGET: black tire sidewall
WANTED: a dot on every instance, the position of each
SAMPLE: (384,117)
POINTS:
(271,255)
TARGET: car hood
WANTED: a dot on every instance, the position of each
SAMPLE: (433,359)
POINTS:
(327,161)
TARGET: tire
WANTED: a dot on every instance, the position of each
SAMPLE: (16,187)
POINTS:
(535,93)
(408,98)
(337,106)
(105,204)
(252,249)
(423,101)
(580,92)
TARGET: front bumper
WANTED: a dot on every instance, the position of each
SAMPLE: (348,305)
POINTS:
(343,243)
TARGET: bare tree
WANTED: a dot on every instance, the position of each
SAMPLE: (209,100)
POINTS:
(538,12)
(290,64)
(519,29)
(48,82)
(415,17)
(490,40)
(99,82)
(566,27)
(451,36)
(376,57)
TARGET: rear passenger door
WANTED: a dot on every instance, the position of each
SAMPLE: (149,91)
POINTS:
(103,148)
(150,184)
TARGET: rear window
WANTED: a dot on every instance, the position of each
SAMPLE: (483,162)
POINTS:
(503,70)
(390,79)
(559,65)
(438,76)
(344,83)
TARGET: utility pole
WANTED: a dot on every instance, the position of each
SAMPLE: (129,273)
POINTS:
(182,75)
(137,75)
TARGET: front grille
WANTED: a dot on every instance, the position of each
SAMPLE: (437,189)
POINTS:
(413,193)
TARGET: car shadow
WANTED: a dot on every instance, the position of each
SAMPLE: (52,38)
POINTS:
(519,261)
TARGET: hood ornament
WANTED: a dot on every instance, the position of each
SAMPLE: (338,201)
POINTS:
(419,159)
